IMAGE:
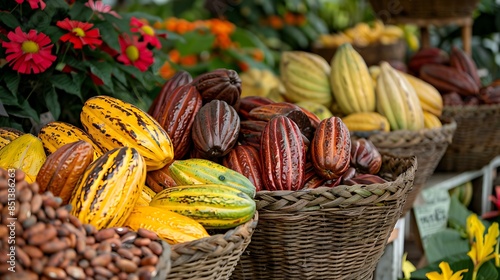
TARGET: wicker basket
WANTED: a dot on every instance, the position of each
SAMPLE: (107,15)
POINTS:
(326,233)
(423,8)
(213,257)
(428,145)
(477,137)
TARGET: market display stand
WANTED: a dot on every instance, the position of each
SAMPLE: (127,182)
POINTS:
(389,266)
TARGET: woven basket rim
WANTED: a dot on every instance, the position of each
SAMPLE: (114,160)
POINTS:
(164,263)
(460,109)
(341,196)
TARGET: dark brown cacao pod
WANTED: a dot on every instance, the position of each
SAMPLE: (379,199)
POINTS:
(447,78)
(180,78)
(490,94)
(365,179)
(471,100)
(159,180)
(365,157)
(283,155)
(250,132)
(222,84)
(425,56)
(245,159)
(331,148)
(177,116)
(452,99)
(247,103)
(215,129)
(463,61)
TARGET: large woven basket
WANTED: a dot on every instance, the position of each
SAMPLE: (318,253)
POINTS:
(423,8)
(477,137)
(428,145)
(326,233)
(211,258)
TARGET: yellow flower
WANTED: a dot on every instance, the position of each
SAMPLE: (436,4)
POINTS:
(473,226)
(447,273)
(408,267)
(483,249)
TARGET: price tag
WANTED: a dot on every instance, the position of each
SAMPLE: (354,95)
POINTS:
(432,214)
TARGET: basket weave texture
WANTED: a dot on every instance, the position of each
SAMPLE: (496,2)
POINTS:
(326,233)
(164,262)
(476,140)
(423,8)
(213,257)
(428,145)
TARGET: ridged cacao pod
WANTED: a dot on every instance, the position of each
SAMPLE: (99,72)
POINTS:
(250,132)
(215,129)
(452,99)
(447,78)
(177,116)
(180,78)
(63,168)
(425,56)
(472,100)
(365,157)
(221,84)
(249,102)
(7,134)
(283,155)
(292,111)
(364,179)
(25,153)
(331,148)
(490,95)
(463,61)
(159,180)
(245,159)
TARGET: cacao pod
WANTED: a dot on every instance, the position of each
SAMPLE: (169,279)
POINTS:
(7,134)
(245,159)
(490,94)
(463,61)
(452,99)
(430,55)
(365,157)
(222,84)
(158,180)
(249,102)
(180,78)
(365,179)
(447,78)
(25,153)
(250,132)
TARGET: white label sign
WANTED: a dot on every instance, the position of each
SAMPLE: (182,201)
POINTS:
(432,215)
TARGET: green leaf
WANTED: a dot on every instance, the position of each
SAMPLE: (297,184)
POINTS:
(80,12)
(456,262)
(39,21)
(66,83)
(109,35)
(9,122)
(9,20)
(24,110)
(119,75)
(12,81)
(141,15)
(52,103)
(295,37)
(122,24)
(103,70)
(317,23)
(195,43)
(487,271)
(7,97)
(54,33)
(132,70)
(444,243)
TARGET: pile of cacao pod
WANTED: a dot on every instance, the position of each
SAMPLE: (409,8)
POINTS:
(40,239)
(379,98)
(455,75)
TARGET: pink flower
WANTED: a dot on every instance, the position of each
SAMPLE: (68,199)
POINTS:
(135,53)
(34,3)
(80,33)
(28,52)
(99,7)
(147,32)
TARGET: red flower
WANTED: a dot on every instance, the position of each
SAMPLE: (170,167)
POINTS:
(135,53)
(147,32)
(80,33)
(99,7)
(27,52)
(33,3)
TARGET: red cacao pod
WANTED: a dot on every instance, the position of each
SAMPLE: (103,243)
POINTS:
(251,131)
(331,148)
(63,168)
(463,61)
(215,129)
(179,110)
(159,180)
(283,155)
(245,159)
(247,103)
(452,99)
(425,56)
(180,78)
(490,94)
(222,84)
(446,79)
(365,179)
(365,157)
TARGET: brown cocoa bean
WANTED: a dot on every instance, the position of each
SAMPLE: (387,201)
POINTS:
(83,263)
(52,201)
(40,215)
(123,276)
(99,270)
(72,240)
(61,232)
(146,272)
(101,260)
(126,265)
(29,222)
(71,228)
(65,263)
(4,196)
(53,246)
(56,259)
(142,241)
(89,240)
(21,242)
(36,203)
(3,230)
(122,230)
(62,213)
(75,272)
(113,268)
(42,237)
(90,229)
(146,251)
(19,229)
(136,260)
(54,273)
(50,212)
(104,247)
(89,254)
(80,245)
(70,254)
(25,195)
(104,234)
(125,253)
(74,220)
(23,257)
(33,251)
(38,264)
(100,277)
(147,234)
(89,271)
(36,228)
(149,260)
(24,212)
(114,243)
(136,251)
(129,237)
(156,248)
(132,277)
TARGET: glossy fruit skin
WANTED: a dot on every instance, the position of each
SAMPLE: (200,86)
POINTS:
(365,157)
(331,148)
(463,61)
(214,206)
(62,170)
(25,153)
(113,123)
(283,155)
(215,129)
(147,195)
(250,132)
(169,226)
(109,188)
(447,78)
(7,134)
(195,171)
(245,159)
(159,180)
(180,78)
(220,84)
(177,116)
(247,103)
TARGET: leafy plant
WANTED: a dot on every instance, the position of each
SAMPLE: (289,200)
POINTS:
(55,55)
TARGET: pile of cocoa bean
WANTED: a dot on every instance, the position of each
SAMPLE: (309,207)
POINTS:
(39,239)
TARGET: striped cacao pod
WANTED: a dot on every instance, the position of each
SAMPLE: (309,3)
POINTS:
(215,129)
(180,78)
(222,84)
(283,155)
(7,134)
(365,157)
(249,102)
(245,159)
(448,79)
(250,132)
(109,188)
(24,153)
(64,167)
(113,123)
(159,180)
(177,116)
(147,195)
(463,61)
(429,55)
(331,148)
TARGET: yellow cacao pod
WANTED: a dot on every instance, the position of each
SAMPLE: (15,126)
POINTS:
(368,121)
(8,134)
(431,121)
(430,98)
(25,153)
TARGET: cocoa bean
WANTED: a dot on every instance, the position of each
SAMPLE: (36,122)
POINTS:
(156,248)
(25,195)
(99,277)
(89,229)
(142,241)
(75,272)
(146,272)
(104,247)
(149,260)
(29,222)
(38,264)
(136,260)
(71,228)
(125,253)
(113,268)
(56,259)
(52,201)
(133,277)
(62,232)
(114,243)
(83,263)
(41,237)
(41,216)
(4,196)
(147,234)
(70,254)
(74,220)
(136,251)
(89,254)
(62,213)
(146,251)
(3,230)
(122,230)
(50,212)
(80,245)
(129,237)
(24,212)
(126,265)
(89,240)
(34,187)
(36,203)
(89,271)
(72,240)
(33,251)
(123,276)
(53,246)
(99,270)
(101,260)
(54,273)
(104,234)
(23,257)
